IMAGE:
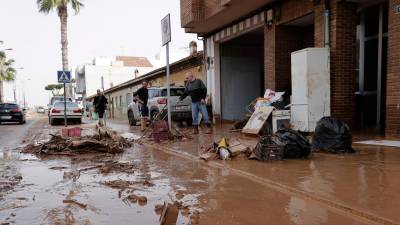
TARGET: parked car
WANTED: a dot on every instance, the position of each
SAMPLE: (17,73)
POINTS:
(10,112)
(40,109)
(74,112)
(180,110)
(56,99)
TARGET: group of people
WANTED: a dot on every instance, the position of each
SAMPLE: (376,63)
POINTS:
(194,88)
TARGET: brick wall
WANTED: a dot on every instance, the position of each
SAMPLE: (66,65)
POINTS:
(393,72)
(280,42)
(343,60)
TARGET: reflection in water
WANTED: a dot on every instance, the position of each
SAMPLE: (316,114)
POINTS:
(306,214)
(316,182)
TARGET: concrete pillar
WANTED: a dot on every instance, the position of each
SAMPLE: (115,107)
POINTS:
(393,72)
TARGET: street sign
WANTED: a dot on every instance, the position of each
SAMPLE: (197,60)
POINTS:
(64,76)
(166,39)
(166,29)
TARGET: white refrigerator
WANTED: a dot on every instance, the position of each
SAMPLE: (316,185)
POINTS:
(310,99)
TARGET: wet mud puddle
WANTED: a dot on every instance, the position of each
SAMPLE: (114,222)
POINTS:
(93,189)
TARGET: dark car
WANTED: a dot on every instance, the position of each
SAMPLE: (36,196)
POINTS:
(10,112)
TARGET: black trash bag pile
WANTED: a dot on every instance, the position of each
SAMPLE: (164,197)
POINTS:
(332,135)
(295,144)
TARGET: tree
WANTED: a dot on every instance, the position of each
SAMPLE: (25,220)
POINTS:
(7,72)
(46,6)
(54,88)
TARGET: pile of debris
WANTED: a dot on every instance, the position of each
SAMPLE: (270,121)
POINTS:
(284,144)
(104,141)
(224,150)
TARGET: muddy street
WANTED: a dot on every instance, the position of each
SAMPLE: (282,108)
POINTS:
(129,188)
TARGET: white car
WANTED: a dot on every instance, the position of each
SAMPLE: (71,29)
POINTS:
(74,112)
(40,109)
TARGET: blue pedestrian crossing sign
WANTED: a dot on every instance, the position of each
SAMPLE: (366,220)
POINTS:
(64,76)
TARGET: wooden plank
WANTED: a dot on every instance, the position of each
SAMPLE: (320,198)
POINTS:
(257,120)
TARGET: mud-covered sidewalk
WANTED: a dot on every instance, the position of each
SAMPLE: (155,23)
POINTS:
(128,188)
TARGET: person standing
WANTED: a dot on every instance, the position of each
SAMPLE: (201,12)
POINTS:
(100,104)
(142,96)
(196,89)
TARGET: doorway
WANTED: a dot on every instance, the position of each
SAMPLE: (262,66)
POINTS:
(372,38)
(242,73)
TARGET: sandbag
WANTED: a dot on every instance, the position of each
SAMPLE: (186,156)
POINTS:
(295,144)
(332,135)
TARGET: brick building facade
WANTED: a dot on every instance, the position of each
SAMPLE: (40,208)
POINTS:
(365,86)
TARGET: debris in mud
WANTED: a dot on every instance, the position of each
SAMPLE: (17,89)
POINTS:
(285,143)
(267,149)
(58,168)
(141,200)
(169,214)
(105,141)
(124,184)
(224,150)
(115,166)
(71,201)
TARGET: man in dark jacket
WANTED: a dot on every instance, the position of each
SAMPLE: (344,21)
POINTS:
(100,104)
(142,96)
(196,89)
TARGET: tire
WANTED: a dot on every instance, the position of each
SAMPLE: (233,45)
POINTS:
(79,121)
(22,122)
(51,121)
(131,118)
(189,122)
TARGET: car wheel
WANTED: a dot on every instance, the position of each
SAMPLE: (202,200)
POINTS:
(79,121)
(189,122)
(51,121)
(131,118)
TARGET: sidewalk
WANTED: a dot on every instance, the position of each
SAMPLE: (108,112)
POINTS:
(363,184)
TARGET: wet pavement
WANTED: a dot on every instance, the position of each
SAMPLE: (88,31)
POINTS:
(238,191)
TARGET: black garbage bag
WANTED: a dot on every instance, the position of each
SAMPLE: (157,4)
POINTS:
(295,144)
(332,135)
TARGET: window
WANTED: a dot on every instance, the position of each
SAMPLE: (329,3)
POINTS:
(120,101)
(174,92)
(154,93)
(128,98)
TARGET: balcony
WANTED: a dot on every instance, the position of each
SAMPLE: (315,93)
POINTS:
(206,16)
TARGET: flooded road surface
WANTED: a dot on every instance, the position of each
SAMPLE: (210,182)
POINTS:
(125,189)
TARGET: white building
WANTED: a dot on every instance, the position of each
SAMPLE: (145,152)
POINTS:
(110,71)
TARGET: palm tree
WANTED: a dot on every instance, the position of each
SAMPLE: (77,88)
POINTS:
(46,6)
(7,72)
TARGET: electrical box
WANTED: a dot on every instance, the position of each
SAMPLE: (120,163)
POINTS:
(310,88)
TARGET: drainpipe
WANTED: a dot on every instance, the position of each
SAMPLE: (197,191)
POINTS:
(327,15)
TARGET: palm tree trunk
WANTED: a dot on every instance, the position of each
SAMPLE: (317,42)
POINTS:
(63,14)
(1,91)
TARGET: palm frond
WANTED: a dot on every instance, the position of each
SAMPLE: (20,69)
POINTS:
(46,6)
(76,5)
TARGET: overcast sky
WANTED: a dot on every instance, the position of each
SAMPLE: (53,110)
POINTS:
(103,28)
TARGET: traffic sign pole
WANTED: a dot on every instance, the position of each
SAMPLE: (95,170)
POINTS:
(65,108)
(64,77)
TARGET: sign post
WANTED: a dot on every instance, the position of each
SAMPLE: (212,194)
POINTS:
(166,39)
(64,77)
